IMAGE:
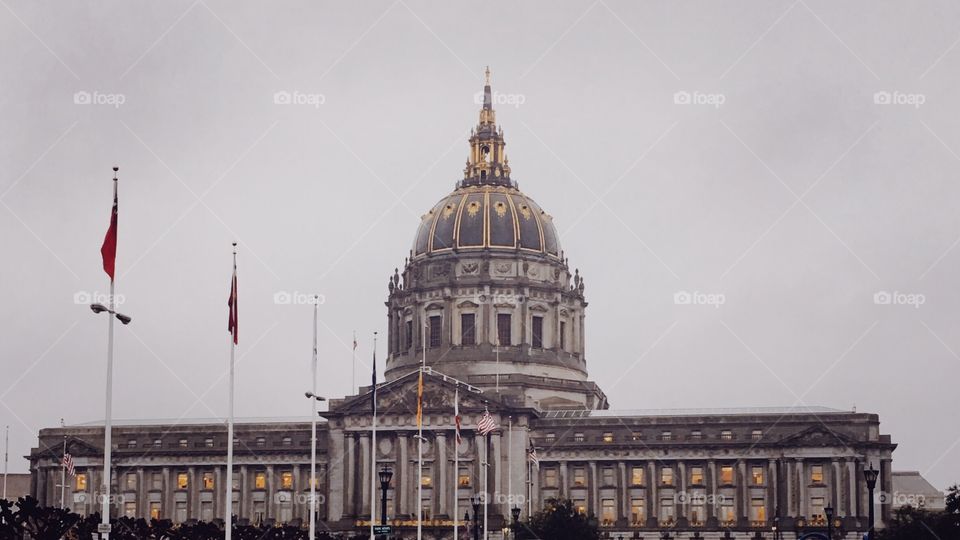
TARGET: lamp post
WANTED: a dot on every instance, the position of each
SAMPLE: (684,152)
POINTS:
(313,448)
(828,511)
(870,476)
(475,502)
(776,528)
(515,513)
(385,475)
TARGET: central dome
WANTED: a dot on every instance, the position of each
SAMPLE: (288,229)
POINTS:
(486,217)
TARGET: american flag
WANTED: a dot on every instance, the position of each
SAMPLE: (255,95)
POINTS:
(68,464)
(486,423)
(532,455)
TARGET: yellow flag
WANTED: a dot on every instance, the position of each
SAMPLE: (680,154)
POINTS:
(420,401)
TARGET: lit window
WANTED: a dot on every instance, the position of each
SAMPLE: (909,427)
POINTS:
(608,437)
(468,329)
(666,436)
(504,337)
(182,481)
(260,480)
(207,480)
(579,476)
(726,435)
(816,474)
(81,482)
(154,510)
(463,479)
(698,509)
(696,476)
(638,512)
(550,478)
(816,510)
(578,437)
(666,476)
(756,434)
(132,443)
(696,435)
(157,443)
(425,510)
(758,512)
(636,436)
(208,442)
(436,328)
(756,473)
(261,442)
(425,479)
(636,475)
(580,506)
(726,511)
(666,511)
(537,337)
(286,480)
(607,476)
(726,475)
(286,441)
(183,443)
(130,509)
(608,512)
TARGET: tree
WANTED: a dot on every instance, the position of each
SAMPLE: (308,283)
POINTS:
(560,520)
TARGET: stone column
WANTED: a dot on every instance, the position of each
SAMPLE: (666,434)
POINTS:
(297,507)
(364,477)
(350,508)
(773,489)
(193,494)
(441,466)
(243,497)
(836,481)
(885,486)
(495,468)
(563,479)
(712,478)
(851,488)
(682,471)
(624,493)
(653,504)
(744,502)
(802,478)
(594,492)
(166,509)
(790,485)
(401,479)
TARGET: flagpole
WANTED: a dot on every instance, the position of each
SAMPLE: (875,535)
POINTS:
(6,458)
(108,420)
(456,459)
(313,427)
(353,365)
(63,473)
(373,445)
(530,481)
(486,474)
(509,465)
(228,485)
(423,364)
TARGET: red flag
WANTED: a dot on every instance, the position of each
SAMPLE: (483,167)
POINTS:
(232,303)
(109,248)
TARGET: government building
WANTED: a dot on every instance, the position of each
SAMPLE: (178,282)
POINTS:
(488,307)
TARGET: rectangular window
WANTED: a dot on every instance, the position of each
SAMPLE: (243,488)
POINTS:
(463,478)
(726,511)
(131,481)
(157,443)
(698,509)
(182,443)
(666,436)
(261,442)
(608,437)
(563,335)
(726,435)
(409,342)
(666,476)
(696,435)
(550,437)
(638,512)
(636,475)
(580,506)
(286,441)
(156,481)
(260,480)
(758,512)
(436,329)
(636,436)
(504,335)
(578,437)
(425,510)
(286,480)
(726,475)
(130,509)
(607,476)
(537,342)
(608,512)
(182,480)
(180,514)
(756,434)
(154,510)
(667,514)
(550,478)
(816,474)
(816,510)
(756,474)
(208,442)
(206,511)
(425,479)
(468,330)
(235,484)
(579,476)
(207,480)
(696,476)
(81,482)
(132,443)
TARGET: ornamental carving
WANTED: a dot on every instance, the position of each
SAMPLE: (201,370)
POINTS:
(470,267)
(503,267)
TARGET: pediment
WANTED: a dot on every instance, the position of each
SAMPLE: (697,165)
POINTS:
(468,304)
(818,436)
(434,306)
(538,307)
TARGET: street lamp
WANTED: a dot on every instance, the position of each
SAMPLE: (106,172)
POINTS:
(385,475)
(475,502)
(99,308)
(828,511)
(870,476)
(776,528)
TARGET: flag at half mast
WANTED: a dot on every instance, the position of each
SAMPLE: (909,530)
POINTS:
(486,425)
(532,455)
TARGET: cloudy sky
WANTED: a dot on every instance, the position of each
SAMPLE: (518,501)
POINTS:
(792,166)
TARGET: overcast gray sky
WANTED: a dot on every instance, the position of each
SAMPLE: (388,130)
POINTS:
(736,150)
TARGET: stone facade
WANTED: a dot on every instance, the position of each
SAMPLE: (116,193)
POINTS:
(486,308)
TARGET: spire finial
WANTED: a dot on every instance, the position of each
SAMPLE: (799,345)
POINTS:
(487,73)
